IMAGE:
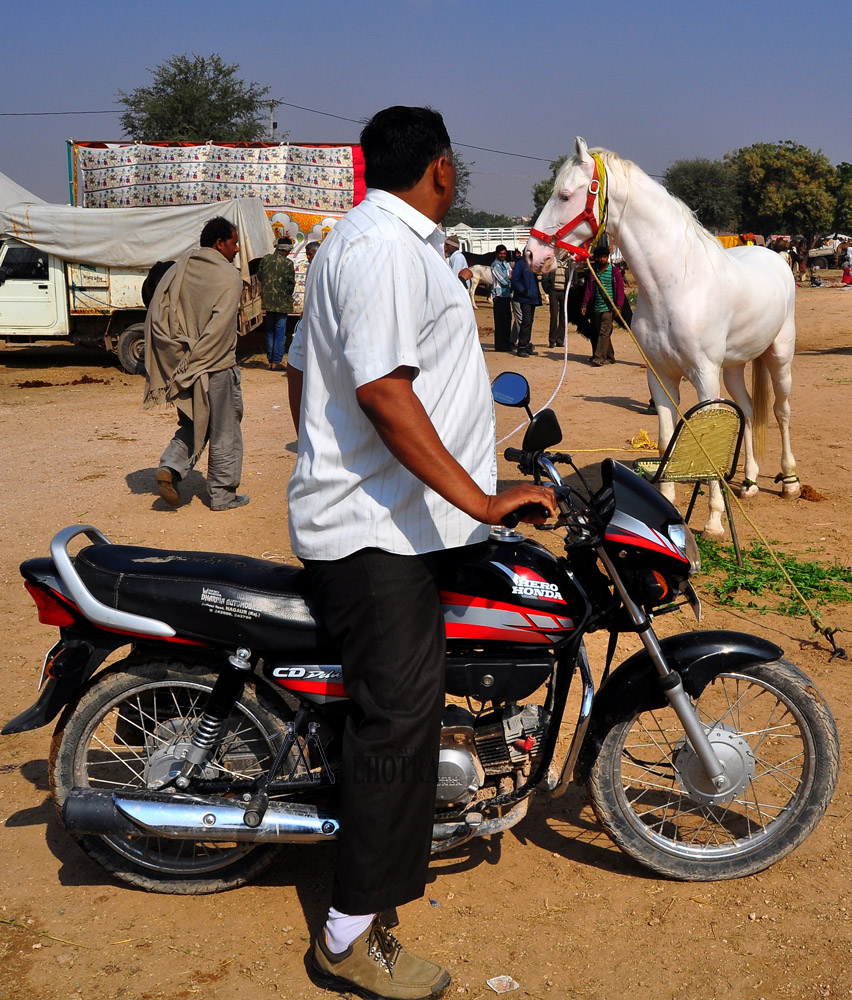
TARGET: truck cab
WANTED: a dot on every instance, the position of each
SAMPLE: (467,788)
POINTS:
(32,294)
(44,300)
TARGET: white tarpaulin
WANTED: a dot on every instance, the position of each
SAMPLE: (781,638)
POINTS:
(11,193)
(134,237)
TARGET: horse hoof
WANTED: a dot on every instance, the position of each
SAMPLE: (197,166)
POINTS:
(791,491)
(749,491)
(717,534)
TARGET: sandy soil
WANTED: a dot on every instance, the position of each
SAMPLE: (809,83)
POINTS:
(564,912)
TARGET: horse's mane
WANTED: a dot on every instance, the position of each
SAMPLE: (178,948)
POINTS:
(693,230)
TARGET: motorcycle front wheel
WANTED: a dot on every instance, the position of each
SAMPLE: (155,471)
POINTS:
(130,728)
(778,743)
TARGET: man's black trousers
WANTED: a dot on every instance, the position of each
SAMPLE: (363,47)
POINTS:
(502,306)
(384,613)
(525,330)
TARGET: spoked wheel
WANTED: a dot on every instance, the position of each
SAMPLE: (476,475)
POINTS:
(777,741)
(130,731)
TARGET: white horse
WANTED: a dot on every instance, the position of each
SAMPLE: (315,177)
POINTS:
(481,276)
(702,310)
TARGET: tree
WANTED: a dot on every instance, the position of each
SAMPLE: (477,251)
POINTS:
(542,191)
(485,220)
(843,209)
(195,99)
(783,187)
(460,207)
(708,188)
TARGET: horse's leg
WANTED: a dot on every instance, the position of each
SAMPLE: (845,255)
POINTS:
(736,386)
(779,361)
(707,386)
(474,281)
(666,416)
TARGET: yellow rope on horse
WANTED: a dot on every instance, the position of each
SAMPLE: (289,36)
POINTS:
(816,618)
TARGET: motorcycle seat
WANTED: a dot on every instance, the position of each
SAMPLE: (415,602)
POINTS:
(208,596)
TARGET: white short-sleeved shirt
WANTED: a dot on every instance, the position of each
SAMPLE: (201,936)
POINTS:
(458,262)
(379,296)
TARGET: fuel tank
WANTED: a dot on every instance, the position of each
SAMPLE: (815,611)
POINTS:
(512,591)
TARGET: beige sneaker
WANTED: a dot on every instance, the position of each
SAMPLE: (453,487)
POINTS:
(376,967)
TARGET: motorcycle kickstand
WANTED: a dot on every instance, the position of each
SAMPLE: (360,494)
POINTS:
(259,802)
(313,738)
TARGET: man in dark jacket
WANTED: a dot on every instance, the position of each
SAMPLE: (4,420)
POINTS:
(277,282)
(525,292)
(596,303)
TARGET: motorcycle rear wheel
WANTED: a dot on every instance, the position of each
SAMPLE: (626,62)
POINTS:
(127,723)
(778,734)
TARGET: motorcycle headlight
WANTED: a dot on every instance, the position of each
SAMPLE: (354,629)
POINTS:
(683,538)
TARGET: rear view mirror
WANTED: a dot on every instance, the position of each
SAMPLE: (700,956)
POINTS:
(510,389)
(543,432)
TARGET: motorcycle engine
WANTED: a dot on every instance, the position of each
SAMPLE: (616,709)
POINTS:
(493,744)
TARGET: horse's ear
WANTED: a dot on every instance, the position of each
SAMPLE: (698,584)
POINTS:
(581,149)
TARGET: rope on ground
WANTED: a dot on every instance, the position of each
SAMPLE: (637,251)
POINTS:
(641,442)
(816,618)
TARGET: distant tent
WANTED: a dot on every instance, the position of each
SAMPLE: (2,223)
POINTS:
(13,194)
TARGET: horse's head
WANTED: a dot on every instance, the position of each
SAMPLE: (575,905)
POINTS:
(571,216)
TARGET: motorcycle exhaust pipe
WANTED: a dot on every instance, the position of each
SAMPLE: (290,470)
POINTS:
(176,817)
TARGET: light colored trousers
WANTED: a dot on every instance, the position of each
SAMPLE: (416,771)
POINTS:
(224,438)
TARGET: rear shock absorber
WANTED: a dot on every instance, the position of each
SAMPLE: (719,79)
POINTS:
(224,696)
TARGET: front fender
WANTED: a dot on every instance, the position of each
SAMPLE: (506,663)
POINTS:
(634,686)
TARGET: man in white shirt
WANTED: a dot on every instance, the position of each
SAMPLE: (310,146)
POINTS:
(396,471)
(457,260)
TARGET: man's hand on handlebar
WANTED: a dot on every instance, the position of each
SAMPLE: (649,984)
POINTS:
(522,495)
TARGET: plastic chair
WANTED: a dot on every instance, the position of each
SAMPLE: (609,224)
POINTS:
(718,425)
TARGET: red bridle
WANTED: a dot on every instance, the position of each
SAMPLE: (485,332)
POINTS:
(587,215)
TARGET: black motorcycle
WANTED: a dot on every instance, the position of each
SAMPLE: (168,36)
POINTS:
(184,766)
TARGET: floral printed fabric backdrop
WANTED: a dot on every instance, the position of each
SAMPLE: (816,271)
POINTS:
(305,188)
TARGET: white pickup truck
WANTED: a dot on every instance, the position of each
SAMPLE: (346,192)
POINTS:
(77,278)
(830,252)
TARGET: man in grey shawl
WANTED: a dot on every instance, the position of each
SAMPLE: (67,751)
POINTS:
(191,362)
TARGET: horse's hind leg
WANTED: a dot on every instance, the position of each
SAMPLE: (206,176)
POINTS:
(735,384)
(779,363)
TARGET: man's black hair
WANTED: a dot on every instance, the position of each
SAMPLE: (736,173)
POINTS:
(399,143)
(217,229)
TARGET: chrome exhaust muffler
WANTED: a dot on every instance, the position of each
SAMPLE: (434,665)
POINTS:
(182,817)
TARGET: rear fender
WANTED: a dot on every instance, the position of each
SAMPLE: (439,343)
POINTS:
(72,664)
(634,686)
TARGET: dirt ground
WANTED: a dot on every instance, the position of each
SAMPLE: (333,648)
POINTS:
(564,912)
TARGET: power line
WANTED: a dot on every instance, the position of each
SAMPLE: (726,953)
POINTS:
(286,104)
(466,145)
(41,114)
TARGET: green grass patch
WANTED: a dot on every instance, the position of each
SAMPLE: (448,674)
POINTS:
(760,577)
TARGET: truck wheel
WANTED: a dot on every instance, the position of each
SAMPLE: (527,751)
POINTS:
(131,349)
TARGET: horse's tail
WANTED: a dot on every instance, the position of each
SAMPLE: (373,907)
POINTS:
(760,385)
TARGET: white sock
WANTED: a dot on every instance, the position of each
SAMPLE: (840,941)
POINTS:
(341,929)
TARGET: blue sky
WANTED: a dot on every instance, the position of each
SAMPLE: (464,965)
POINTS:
(655,81)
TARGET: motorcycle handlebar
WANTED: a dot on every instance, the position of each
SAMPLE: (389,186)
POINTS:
(527,509)
(518,457)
